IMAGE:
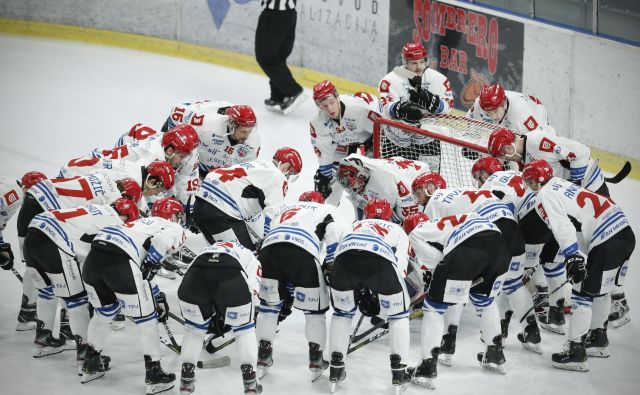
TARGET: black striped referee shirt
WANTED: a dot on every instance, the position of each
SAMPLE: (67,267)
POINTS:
(280,5)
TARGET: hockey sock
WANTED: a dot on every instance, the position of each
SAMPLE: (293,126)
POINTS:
(487,312)
(432,327)
(618,290)
(315,328)
(503,304)
(267,321)
(399,333)
(531,255)
(150,336)
(192,344)
(47,306)
(452,316)
(28,286)
(78,310)
(100,328)
(539,278)
(521,303)
(339,332)
(600,311)
(580,318)
(556,274)
(246,346)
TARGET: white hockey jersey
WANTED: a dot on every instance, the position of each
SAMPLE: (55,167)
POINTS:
(431,240)
(215,150)
(70,228)
(246,190)
(524,114)
(382,238)
(59,193)
(251,267)
(390,179)
(312,226)
(569,159)
(508,182)
(152,237)
(447,202)
(394,87)
(138,132)
(331,139)
(117,169)
(11,198)
(599,216)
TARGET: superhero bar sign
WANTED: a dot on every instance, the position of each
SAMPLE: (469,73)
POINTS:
(470,48)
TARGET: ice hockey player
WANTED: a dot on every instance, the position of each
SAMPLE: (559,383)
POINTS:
(233,202)
(117,273)
(342,125)
(409,93)
(219,289)
(228,132)
(569,159)
(511,110)
(299,235)
(596,261)
(56,246)
(463,257)
(371,255)
(389,179)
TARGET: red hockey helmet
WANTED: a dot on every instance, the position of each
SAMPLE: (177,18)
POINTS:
(163,171)
(413,51)
(539,171)
(498,139)
(423,180)
(182,138)
(127,208)
(412,220)
(31,178)
(488,164)
(292,157)
(130,189)
(242,115)
(323,89)
(378,209)
(492,97)
(166,208)
(311,196)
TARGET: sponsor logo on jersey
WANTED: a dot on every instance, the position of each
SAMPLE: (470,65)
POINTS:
(384,304)
(11,197)
(456,290)
(531,123)
(242,152)
(232,315)
(384,86)
(300,296)
(350,124)
(546,145)
(543,212)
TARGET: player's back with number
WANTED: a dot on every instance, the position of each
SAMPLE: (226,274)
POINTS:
(58,193)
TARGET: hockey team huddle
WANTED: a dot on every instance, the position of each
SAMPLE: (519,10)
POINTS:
(94,237)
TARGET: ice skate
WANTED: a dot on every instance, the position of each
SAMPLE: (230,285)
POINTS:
(426,373)
(95,365)
(597,342)
(619,314)
(65,328)
(27,317)
(337,371)
(493,358)
(265,357)
(157,380)
(572,357)
(187,379)
(317,364)
(400,374)
(251,385)
(448,346)
(554,320)
(118,323)
(530,336)
(504,323)
(45,344)
(541,301)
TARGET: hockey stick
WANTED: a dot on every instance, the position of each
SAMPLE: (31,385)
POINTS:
(206,364)
(13,269)
(355,331)
(622,174)
(524,317)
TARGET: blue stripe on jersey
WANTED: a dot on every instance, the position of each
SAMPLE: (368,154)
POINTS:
(56,226)
(118,232)
(49,195)
(154,256)
(593,177)
(267,224)
(577,173)
(327,170)
(372,238)
(219,193)
(607,224)
(295,231)
(526,200)
(466,225)
(572,249)
(331,249)
(484,211)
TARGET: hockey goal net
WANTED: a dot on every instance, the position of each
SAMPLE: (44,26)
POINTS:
(450,144)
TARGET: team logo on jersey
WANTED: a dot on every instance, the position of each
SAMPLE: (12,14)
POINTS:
(312,132)
(384,304)
(546,145)
(242,152)
(571,157)
(384,86)
(402,189)
(11,197)
(531,123)
(351,125)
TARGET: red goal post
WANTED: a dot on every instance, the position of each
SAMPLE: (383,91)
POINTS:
(449,143)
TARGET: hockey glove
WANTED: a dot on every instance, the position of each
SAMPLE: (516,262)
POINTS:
(6,256)
(217,327)
(162,307)
(576,268)
(425,99)
(427,276)
(327,269)
(285,311)
(368,303)
(149,269)
(322,184)
(407,111)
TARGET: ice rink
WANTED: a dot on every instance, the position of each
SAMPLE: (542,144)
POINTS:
(59,100)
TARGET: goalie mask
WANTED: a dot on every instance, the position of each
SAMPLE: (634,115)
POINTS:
(353,175)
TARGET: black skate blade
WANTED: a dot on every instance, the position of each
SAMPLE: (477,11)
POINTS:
(153,389)
(424,382)
(315,375)
(573,366)
(87,377)
(41,353)
(598,352)
(532,347)
(616,323)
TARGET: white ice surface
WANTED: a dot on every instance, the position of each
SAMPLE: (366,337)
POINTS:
(60,99)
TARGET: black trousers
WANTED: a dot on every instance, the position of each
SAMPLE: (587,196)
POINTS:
(289,263)
(211,221)
(275,35)
(29,209)
(108,271)
(357,269)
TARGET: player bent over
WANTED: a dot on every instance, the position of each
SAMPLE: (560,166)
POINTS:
(290,255)
(117,274)
(220,283)
(371,255)
(596,261)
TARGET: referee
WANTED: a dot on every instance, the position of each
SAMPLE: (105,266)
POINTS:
(275,35)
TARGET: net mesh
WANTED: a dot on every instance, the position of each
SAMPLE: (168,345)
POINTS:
(450,144)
